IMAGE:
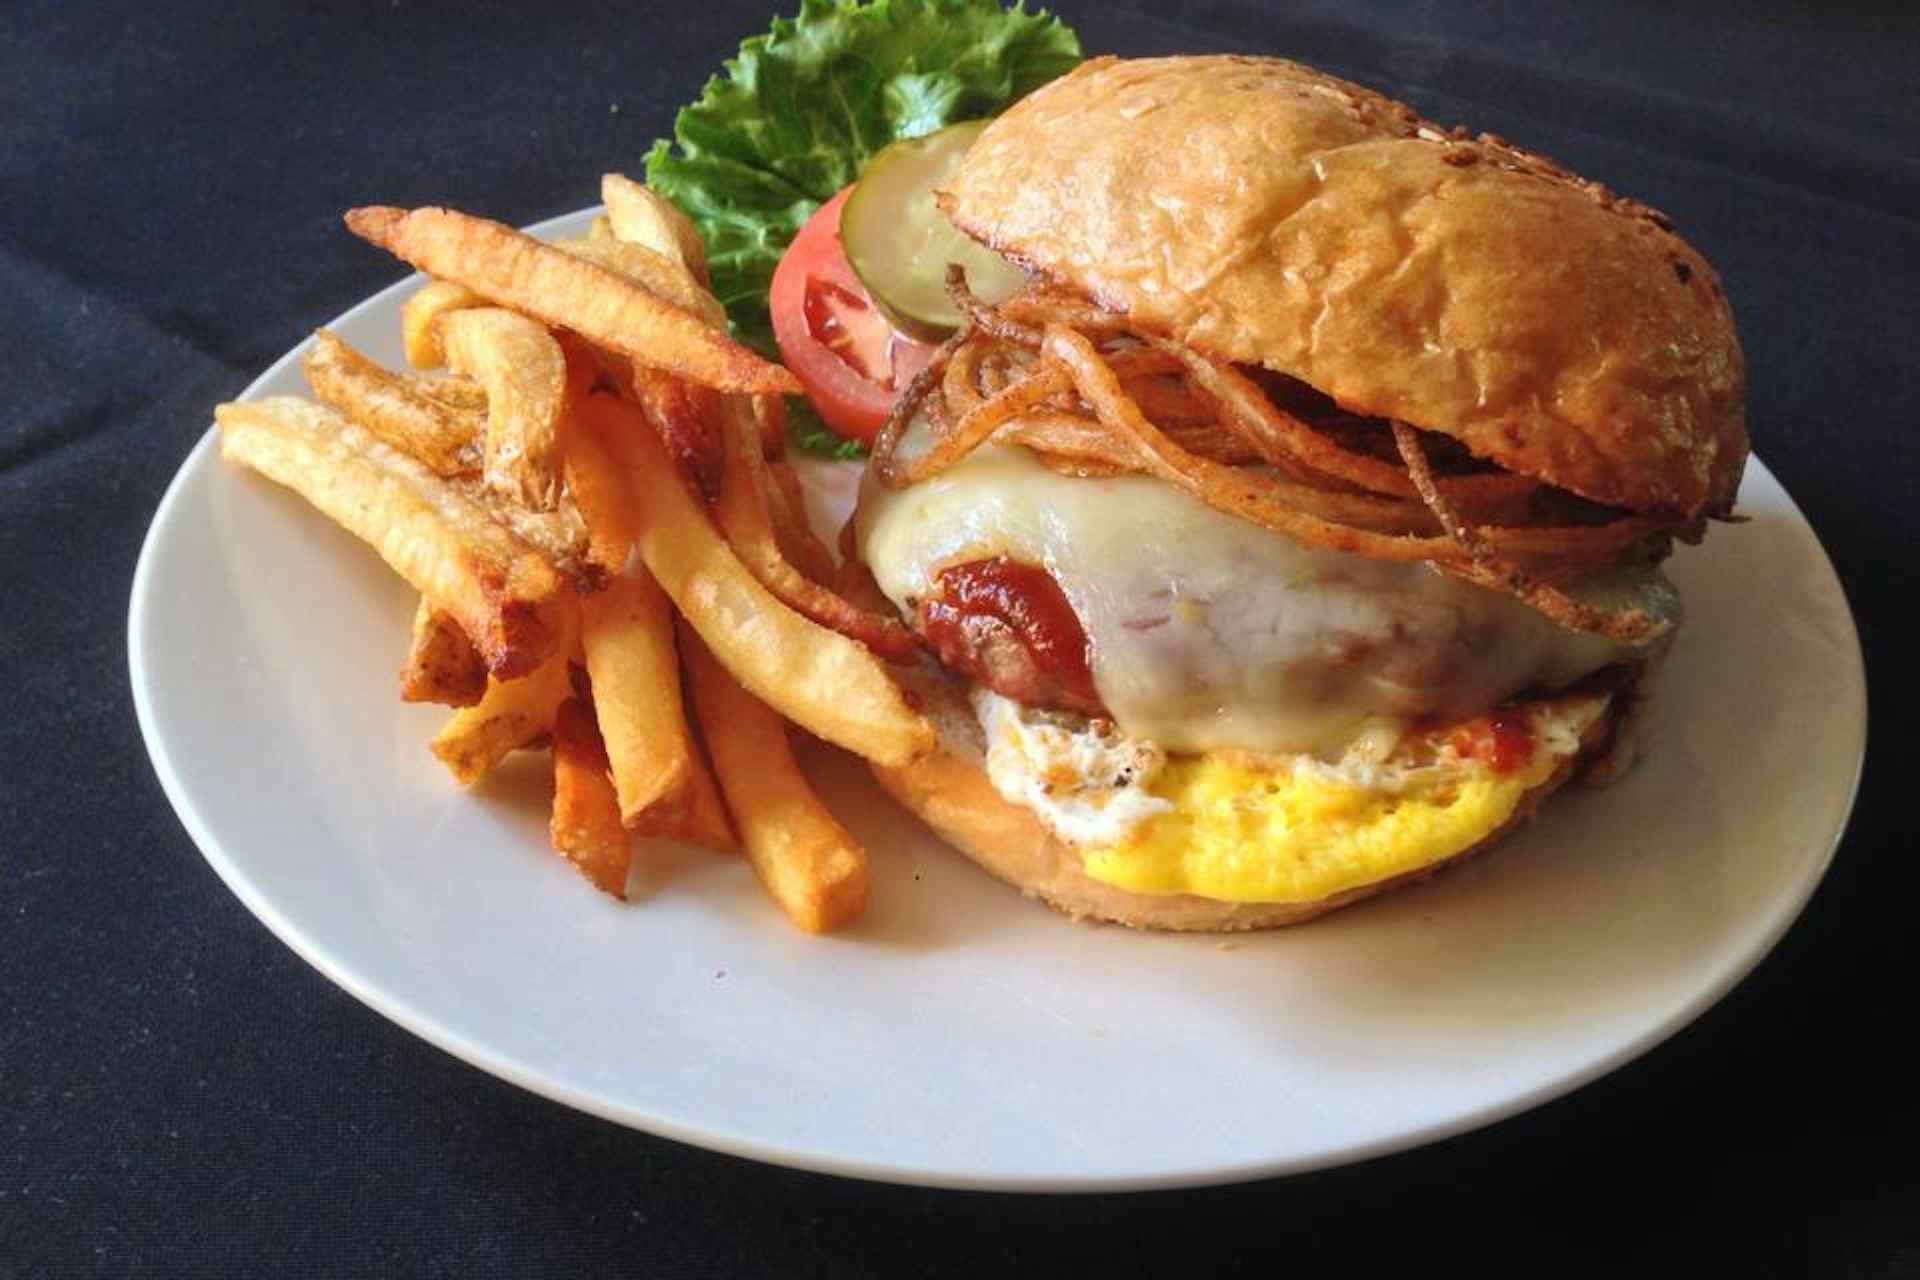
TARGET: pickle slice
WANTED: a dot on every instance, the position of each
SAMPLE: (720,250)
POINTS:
(899,242)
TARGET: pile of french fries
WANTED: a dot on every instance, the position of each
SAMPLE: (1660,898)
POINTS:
(584,478)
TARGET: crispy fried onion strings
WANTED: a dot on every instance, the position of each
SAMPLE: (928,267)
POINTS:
(1488,568)
(1092,397)
(746,511)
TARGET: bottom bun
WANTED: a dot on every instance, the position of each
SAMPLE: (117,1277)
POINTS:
(948,789)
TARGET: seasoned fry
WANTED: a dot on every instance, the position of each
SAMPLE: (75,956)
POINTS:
(627,633)
(505,596)
(818,678)
(559,535)
(586,816)
(804,858)
(519,364)
(687,418)
(636,213)
(742,512)
(585,481)
(420,320)
(599,486)
(653,271)
(442,665)
(516,271)
(394,408)
(455,389)
(512,713)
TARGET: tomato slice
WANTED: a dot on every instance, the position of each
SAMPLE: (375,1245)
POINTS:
(849,357)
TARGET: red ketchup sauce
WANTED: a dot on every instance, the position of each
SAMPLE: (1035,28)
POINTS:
(1512,741)
(983,608)
(1502,738)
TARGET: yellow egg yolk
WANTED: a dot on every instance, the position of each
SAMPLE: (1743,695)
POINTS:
(1240,832)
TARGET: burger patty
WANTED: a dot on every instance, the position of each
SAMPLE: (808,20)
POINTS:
(1008,626)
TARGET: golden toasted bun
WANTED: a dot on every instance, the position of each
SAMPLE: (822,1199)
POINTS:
(1266,213)
(950,792)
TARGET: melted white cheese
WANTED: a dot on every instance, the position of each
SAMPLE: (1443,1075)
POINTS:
(1207,631)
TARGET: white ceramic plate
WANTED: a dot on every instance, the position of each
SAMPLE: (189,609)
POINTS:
(962,1036)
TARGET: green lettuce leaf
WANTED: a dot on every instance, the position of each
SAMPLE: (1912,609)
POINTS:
(799,112)
(810,434)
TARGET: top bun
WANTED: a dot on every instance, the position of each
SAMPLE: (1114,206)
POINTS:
(1265,213)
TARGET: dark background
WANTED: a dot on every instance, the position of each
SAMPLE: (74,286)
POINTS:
(180,1095)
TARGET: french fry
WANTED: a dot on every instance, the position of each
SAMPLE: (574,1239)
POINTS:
(599,488)
(455,389)
(586,816)
(785,502)
(788,509)
(543,481)
(598,485)
(743,516)
(638,214)
(442,665)
(420,320)
(626,632)
(505,596)
(444,437)
(705,822)
(686,417)
(519,364)
(559,535)
(517,271)
(821,680)
(512,713)
(653,271)
(771,413)
(807,862)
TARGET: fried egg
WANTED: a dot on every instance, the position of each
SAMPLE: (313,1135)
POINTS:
(1239,827)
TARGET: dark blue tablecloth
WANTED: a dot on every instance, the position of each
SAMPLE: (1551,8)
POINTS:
(180,1095)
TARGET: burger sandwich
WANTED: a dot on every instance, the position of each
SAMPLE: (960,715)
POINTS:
(1291,525)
